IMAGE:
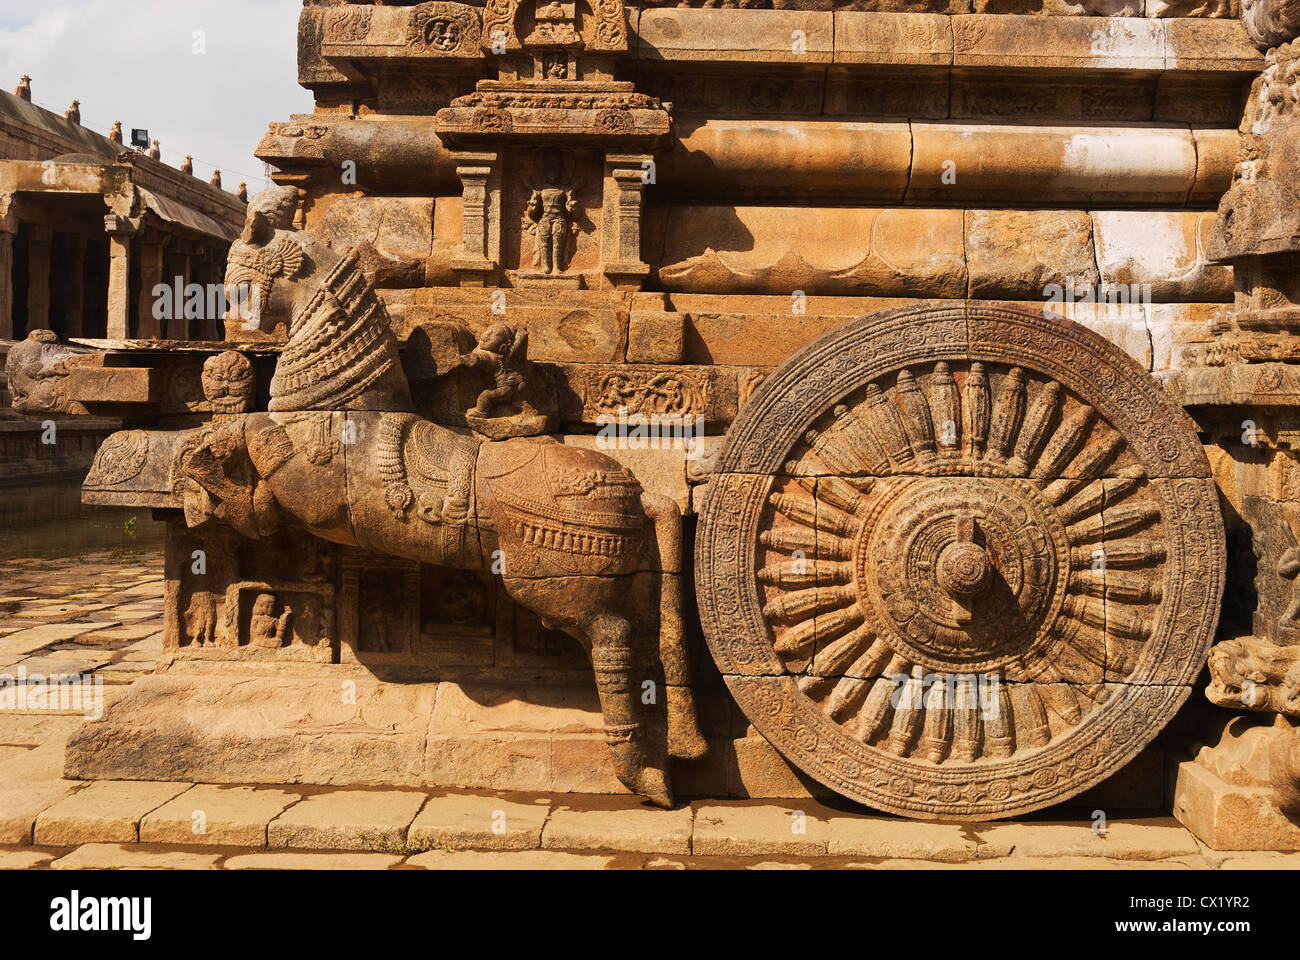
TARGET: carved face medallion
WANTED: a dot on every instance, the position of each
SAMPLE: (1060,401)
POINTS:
(442,33)
(228,382)
(960,561)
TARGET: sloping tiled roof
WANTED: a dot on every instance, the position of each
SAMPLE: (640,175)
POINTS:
(17,113)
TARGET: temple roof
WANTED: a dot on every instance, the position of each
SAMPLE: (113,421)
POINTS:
(49,132)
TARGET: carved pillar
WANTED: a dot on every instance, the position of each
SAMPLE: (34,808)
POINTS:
(626,175)
(8,227)
(38,274)
(480,177)
(1242,790)
(150,252)
(119,230)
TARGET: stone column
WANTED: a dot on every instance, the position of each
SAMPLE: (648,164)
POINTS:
(119,230)
(626,176)
(480,177)
(8,227)
(38,274)
(150,251)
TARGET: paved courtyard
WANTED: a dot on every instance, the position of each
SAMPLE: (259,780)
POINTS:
(100,616)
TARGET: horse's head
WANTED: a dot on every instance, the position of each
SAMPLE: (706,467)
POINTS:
(341,352)
(265,261)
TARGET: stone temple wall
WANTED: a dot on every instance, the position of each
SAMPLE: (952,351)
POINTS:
(687,208)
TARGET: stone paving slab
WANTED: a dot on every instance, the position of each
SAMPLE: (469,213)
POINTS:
(886,839)
(150,644)
(1156,838)
(21,803)
(1263,860)
(65,663)
(28,641)
(619,824)
(121,856)
(36,729)
(39,763)
(141,587)
(132,613)
(374,820)
(133,632)
(508,860)
(312,861)
(24,859)
(760,829)
(76,601)
(217,814)
(468,821)
(106,811)
(12,751)
(64,612)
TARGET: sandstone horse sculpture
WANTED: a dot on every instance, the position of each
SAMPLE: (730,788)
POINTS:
(342,454)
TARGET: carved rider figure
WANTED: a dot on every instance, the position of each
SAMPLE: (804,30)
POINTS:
(501,352)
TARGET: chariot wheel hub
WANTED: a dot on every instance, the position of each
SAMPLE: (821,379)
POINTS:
(963,570)
(963,577)
(960,561)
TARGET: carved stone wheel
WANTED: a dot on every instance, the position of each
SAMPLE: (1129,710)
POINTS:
(960,561)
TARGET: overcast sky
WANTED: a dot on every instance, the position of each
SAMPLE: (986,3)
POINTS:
(136,61)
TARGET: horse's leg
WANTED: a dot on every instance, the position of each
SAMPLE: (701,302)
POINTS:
(585,608)
(625,734)
(684,738)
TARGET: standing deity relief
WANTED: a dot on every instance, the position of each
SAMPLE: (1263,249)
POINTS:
(551,214)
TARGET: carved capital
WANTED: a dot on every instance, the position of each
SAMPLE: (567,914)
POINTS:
(8,213)
(122,226)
